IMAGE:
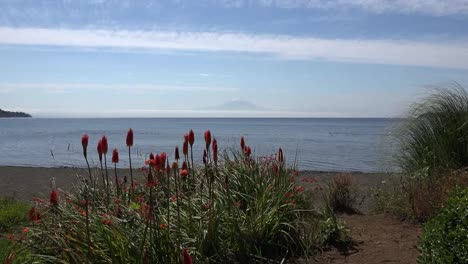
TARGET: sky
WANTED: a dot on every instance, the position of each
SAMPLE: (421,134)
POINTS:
(228,58)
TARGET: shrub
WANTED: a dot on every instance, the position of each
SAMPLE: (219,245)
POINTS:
(341,194)
(418,198)
(236,209)
(445,237)
(434,137)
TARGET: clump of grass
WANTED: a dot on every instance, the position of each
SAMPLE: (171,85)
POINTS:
(234,208)
(433,154)
(341,194)
(434,137)
(13,213)
(418,199)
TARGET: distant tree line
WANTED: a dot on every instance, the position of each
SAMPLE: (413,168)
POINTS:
(4,113)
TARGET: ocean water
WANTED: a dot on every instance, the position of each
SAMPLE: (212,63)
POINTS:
(324,144)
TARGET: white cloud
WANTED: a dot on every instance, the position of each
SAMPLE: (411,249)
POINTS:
(428,7)
(64,87)
(395,52)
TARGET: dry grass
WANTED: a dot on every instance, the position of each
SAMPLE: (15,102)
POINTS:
(342,194)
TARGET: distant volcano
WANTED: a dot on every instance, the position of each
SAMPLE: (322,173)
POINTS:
(237,105)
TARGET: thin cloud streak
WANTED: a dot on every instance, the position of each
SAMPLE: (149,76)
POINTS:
(63,87)
(427,7)
(451,55)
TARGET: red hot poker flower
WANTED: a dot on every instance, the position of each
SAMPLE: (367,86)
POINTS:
(280,155)
(105,147)
(300,189)
(215,150)
(191,138)
(204,157)
(186,137)
(32,216)
(129,138)
(84,142)
(115,156)
(187,257)
(207,138)
(242,143)
(163,159)
(151,156)
(247,151)
(185,148)
(176,153)
(54,197)
(184,165)
(157,162)
(184,173)
(99,149)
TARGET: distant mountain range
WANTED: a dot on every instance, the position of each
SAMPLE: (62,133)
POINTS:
(4,113)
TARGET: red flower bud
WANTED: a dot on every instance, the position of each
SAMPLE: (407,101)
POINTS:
(104,145)
(163,159)
(129,138)
(184,165)
(185,148)
(32,215)
(186,137)
(115,156)
(84,143)
(191,138)
(204,157)
(215,150)
(280,155)
(247,151)
(99,149)
(176,154)
(184,173)
(242,143)
(54,197)
(207,138)
(187,257)
(151,156)
(157,162)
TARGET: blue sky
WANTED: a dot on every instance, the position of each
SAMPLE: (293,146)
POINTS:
(305,58)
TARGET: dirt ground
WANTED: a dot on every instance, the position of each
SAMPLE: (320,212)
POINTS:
(377,239)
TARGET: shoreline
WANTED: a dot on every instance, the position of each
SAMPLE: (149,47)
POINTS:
(308,171)
(24,183)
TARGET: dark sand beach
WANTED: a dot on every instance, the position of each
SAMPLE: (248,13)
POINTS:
(24,183)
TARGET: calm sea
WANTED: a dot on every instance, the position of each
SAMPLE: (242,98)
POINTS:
(313,143)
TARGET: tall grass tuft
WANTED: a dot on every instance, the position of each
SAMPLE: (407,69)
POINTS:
(434,138)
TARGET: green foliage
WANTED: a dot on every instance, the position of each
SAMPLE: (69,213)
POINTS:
(4,248)
(239,209)
(12,214)
(445,237)
(434,137)
(390,197)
